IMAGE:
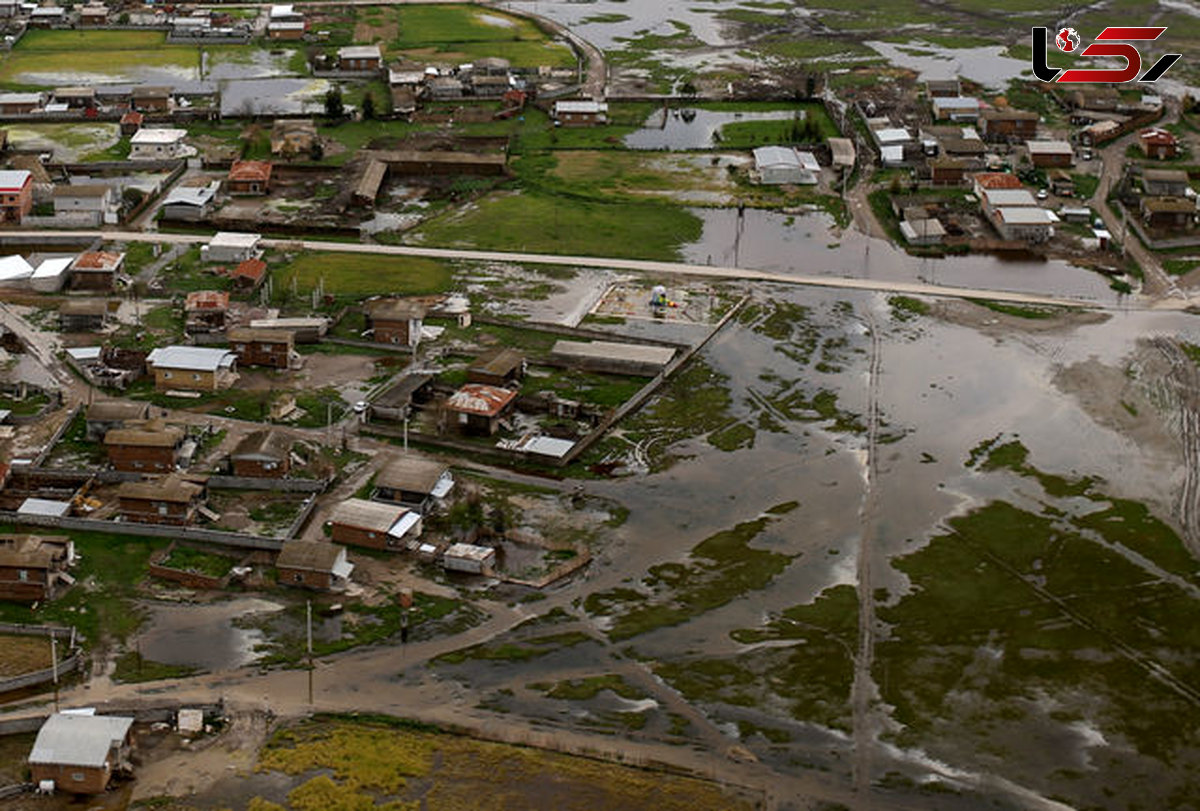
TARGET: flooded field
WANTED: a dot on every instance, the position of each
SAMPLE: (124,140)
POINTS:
(692,129)
(204,636)
(805,244)
(272,96)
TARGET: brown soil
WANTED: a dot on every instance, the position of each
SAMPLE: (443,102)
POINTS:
(990,322)
(23,654)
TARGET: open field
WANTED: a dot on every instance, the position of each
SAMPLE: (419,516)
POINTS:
(352,276)
(344,764)
(52,58)
(541,223)
(23,654)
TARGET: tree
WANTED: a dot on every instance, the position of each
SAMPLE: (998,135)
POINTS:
(368,107)
(334,107)
(810,86)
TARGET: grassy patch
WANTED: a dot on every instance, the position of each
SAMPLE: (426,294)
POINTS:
(187,559)
(470,32)
(354,276)
(721,568)
(24,654)
(590,687)
(96,55)
(1030,311)
(542,223)
(517,651)
(905,308)
(132,669)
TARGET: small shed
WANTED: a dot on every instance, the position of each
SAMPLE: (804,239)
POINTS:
(414,481)
(497,367)
(313,565)
(264,454)
(465,557)
(478,409)
(80,753)
(373,524)
(395,321)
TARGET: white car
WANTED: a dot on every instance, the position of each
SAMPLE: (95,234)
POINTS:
(1042,194)
(361,407)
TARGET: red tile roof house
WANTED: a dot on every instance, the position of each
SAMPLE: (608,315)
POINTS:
(249,177)
(249,274)
(131,122)
(1158,143)
(987,181)
(205,311)
(478,409)
(96,270)
(16,195)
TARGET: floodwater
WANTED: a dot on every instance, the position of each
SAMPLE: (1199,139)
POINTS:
(203,635)
(987,64)
(694,129)
(804,244)
(249,64)
(640,16)
(273,96)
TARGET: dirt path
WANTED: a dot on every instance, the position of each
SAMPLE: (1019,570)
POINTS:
(864,692)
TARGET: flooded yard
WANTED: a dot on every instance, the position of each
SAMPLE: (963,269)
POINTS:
(203,636)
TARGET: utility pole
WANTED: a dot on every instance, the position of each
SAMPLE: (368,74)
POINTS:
(310,661)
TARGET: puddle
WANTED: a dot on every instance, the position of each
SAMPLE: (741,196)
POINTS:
(693,129)
(804,244)
(203,636)
(272,96)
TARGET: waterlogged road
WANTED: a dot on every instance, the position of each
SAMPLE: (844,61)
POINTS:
(644,266)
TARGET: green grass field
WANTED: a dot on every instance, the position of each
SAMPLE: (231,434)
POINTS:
(563,225)
(49,58)
(352,275)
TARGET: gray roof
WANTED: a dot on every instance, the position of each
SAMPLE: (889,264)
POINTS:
(658,355)
(78,740)
(313,556)
(412,474)
(192,358)
(367,515)
(191,195)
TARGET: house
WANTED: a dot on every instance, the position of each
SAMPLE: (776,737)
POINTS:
(776,165)
(413,481)
(443,88)
(157,144)
(946,171)
(263,347)
(1158,143)
(498,367)
(358,58)
(955,108)
(192,368)
(1099,132)
(231,246)
(285,29)
(190,203)
(93,14)
(306,330)
(34,567)
(1172,213)
(394,403)
(843,152)
(580,113)
(491,87)
(1165,182)
(492,66)
(314,565)
(367,188)
(404,101)
(20,103)
(10,8)
(97,199)
(992,199)
(262,454)
(16,195)
(104,415)
(943,88)
(168,500)
(1024,223)
(148,448)
(80,753)
(96,270)
(76,97)
(1006,126)
(478,409)
(469,558)
(374,525)
(152,99)
(610,357)
(985,181)
(1050,153)
(249,177)
(249,275)
(15,270)
(928,231)
(131,122)
(395,321)
(51,273)
(205,310)
(292,137)
(1061,183)
(83,315)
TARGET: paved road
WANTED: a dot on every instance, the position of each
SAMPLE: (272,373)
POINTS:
(636,266)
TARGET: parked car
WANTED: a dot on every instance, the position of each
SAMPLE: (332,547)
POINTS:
(1042,194)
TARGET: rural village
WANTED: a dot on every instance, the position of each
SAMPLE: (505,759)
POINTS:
(394,397)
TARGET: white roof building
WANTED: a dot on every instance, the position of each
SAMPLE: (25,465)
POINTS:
(51,273)
(955,107)
(1049,148)
(14,269)
(360,52)
(892,135)
(72,739)
(1008,198)
(13,180)
(892,155)
(157,135)
(785,164)
(44,506)
(191,358)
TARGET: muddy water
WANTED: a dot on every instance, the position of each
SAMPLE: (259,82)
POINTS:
(275,96)
(804,244)
(203,636)
(672,130)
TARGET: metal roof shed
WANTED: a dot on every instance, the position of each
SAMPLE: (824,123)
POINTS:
(69,739)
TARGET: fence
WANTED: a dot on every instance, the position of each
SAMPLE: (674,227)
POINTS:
(275,485)
(58,435)
(233,539)
(67,665)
